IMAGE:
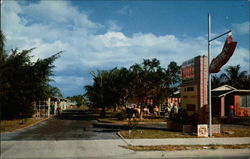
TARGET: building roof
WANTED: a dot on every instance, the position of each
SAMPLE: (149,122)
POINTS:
(59,98)
(176,94)
(226,89)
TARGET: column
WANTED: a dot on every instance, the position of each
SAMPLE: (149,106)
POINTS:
(222,106)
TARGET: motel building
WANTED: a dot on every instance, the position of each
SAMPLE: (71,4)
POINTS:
(194,92)
(225,96)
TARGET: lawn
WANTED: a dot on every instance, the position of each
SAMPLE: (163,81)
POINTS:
(112,117)
(11,125)
(234,132)
(149,134)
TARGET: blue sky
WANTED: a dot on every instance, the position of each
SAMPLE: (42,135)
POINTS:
(107,34)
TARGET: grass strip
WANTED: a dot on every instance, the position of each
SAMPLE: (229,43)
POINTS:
(152,134)
(184,147)
(11,125)
(149,134)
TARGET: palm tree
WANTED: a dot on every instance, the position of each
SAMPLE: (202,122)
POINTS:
(233,76)
(2,43)
(216,81)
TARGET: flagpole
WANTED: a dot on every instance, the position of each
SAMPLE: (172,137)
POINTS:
(209,77)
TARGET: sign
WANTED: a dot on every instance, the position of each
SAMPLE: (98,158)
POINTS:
(202,130)
(187,71)
(224,56)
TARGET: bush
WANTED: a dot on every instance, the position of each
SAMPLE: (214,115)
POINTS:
(216,120)
(183,118)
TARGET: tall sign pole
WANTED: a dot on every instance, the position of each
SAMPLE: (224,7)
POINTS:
(209,76)
(227,52)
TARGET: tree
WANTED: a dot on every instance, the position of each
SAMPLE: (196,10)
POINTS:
(140,82)
(173,78)
(215,81)
(110,88)
(54,91)
(2,45)
(233,76)
(150,80)
(22,82)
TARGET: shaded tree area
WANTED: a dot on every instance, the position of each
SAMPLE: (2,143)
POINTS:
(233,76)
(22,81)
(116,87)
(110,88)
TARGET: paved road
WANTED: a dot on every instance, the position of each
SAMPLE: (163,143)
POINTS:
(73,137)
(72,125)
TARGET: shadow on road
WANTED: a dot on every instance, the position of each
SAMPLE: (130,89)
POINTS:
(70,125)
(75,115)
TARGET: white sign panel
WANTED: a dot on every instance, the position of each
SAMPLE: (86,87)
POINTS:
(202,130)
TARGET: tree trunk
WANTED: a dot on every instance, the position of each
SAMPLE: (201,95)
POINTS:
(115,108)
(142,107)
(103,113)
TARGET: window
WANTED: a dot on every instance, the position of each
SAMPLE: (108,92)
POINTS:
(189,89)
(245,101)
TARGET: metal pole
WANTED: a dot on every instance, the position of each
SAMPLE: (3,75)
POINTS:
(220,35)
(39,110)
(209,77)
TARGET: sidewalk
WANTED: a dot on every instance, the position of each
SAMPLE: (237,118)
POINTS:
(110,149)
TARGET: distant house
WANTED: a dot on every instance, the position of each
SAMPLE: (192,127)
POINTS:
(224,96)
(45,108)
(175,97)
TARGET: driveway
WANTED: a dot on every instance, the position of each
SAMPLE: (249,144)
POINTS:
(72,125)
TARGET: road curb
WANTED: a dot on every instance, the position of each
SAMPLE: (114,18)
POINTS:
(25,126)
(123,139)
(96,118)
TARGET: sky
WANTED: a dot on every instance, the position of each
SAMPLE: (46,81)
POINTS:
(100,35)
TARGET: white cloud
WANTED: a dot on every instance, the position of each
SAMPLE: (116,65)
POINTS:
(125,10)
(242,28)
(54,27)
(113,26)
(59,13)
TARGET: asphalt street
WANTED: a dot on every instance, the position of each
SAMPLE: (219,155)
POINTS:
(72,125)
(73,136)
